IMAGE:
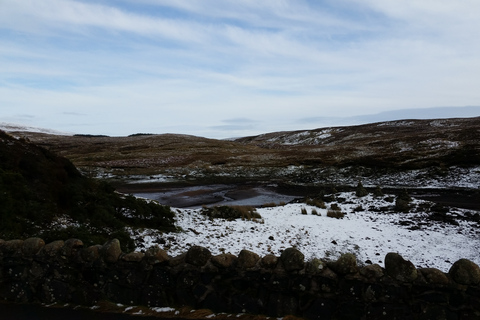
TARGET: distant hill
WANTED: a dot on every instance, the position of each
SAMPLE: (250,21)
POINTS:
(40,192)
(376,153)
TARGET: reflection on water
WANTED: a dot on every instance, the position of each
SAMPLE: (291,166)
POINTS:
(195,197)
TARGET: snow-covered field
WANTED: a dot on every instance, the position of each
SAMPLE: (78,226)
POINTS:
(366,232)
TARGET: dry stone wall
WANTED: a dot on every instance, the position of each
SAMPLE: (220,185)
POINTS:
(68,272)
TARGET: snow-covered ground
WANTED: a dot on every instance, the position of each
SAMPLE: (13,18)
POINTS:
(367,233)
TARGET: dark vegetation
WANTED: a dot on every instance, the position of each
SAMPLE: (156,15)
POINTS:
(40,191)
(231,212)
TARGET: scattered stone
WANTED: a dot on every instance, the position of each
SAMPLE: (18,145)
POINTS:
(465,272)
(292,259)
(198,256)
(346,264)
(111,251)
(399,268)
(247,259)
(224,260)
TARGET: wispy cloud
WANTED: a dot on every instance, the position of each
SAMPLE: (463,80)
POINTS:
(189,65)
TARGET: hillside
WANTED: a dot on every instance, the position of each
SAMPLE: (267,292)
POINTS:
(44,195)
(422,153)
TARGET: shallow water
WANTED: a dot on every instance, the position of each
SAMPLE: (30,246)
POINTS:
(196,197)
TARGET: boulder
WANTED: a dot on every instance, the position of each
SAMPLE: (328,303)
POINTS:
(247,259)
(399,268)
(32,246)
(51,249)
(292,259)
(12,247)
(434,276)
(71,247)
(111,251)
(346,264)
(132,257)
(156,255)
(198,256)
(372,272)
(269,261)
(91,253)
(465,272)
(224,260)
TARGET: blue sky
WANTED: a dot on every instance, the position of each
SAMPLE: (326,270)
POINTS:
(234,68)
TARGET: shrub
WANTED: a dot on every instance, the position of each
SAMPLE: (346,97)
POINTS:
(315,212)
(304,211)
(360,191)
(378,192)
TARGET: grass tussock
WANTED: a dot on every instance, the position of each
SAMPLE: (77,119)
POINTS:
(314,202)
(335,212)
(231,212)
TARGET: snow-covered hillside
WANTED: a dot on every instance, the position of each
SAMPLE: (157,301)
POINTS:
(11,127)
(370,229)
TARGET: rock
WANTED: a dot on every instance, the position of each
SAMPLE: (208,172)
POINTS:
(247,259)
(52,248)
(315,265)
(156,255)
(32,246)
(91,253)
(132,257)
(465,272)
(269,261)
(372,272)
(71,247)
(12,247)
(292,259)
(399,268)
(111,251)
(434,276)
(346,264)
(178,260)
(198,256)
(224,260)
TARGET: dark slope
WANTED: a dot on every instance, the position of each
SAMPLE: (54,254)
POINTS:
(39,191)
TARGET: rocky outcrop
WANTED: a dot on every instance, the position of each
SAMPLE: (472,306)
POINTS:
(68,272)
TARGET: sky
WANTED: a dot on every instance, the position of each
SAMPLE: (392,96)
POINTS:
(230,68)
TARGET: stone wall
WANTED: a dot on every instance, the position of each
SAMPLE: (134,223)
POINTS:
(67,272)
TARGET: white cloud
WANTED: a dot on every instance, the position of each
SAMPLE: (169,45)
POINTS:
(193,64)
